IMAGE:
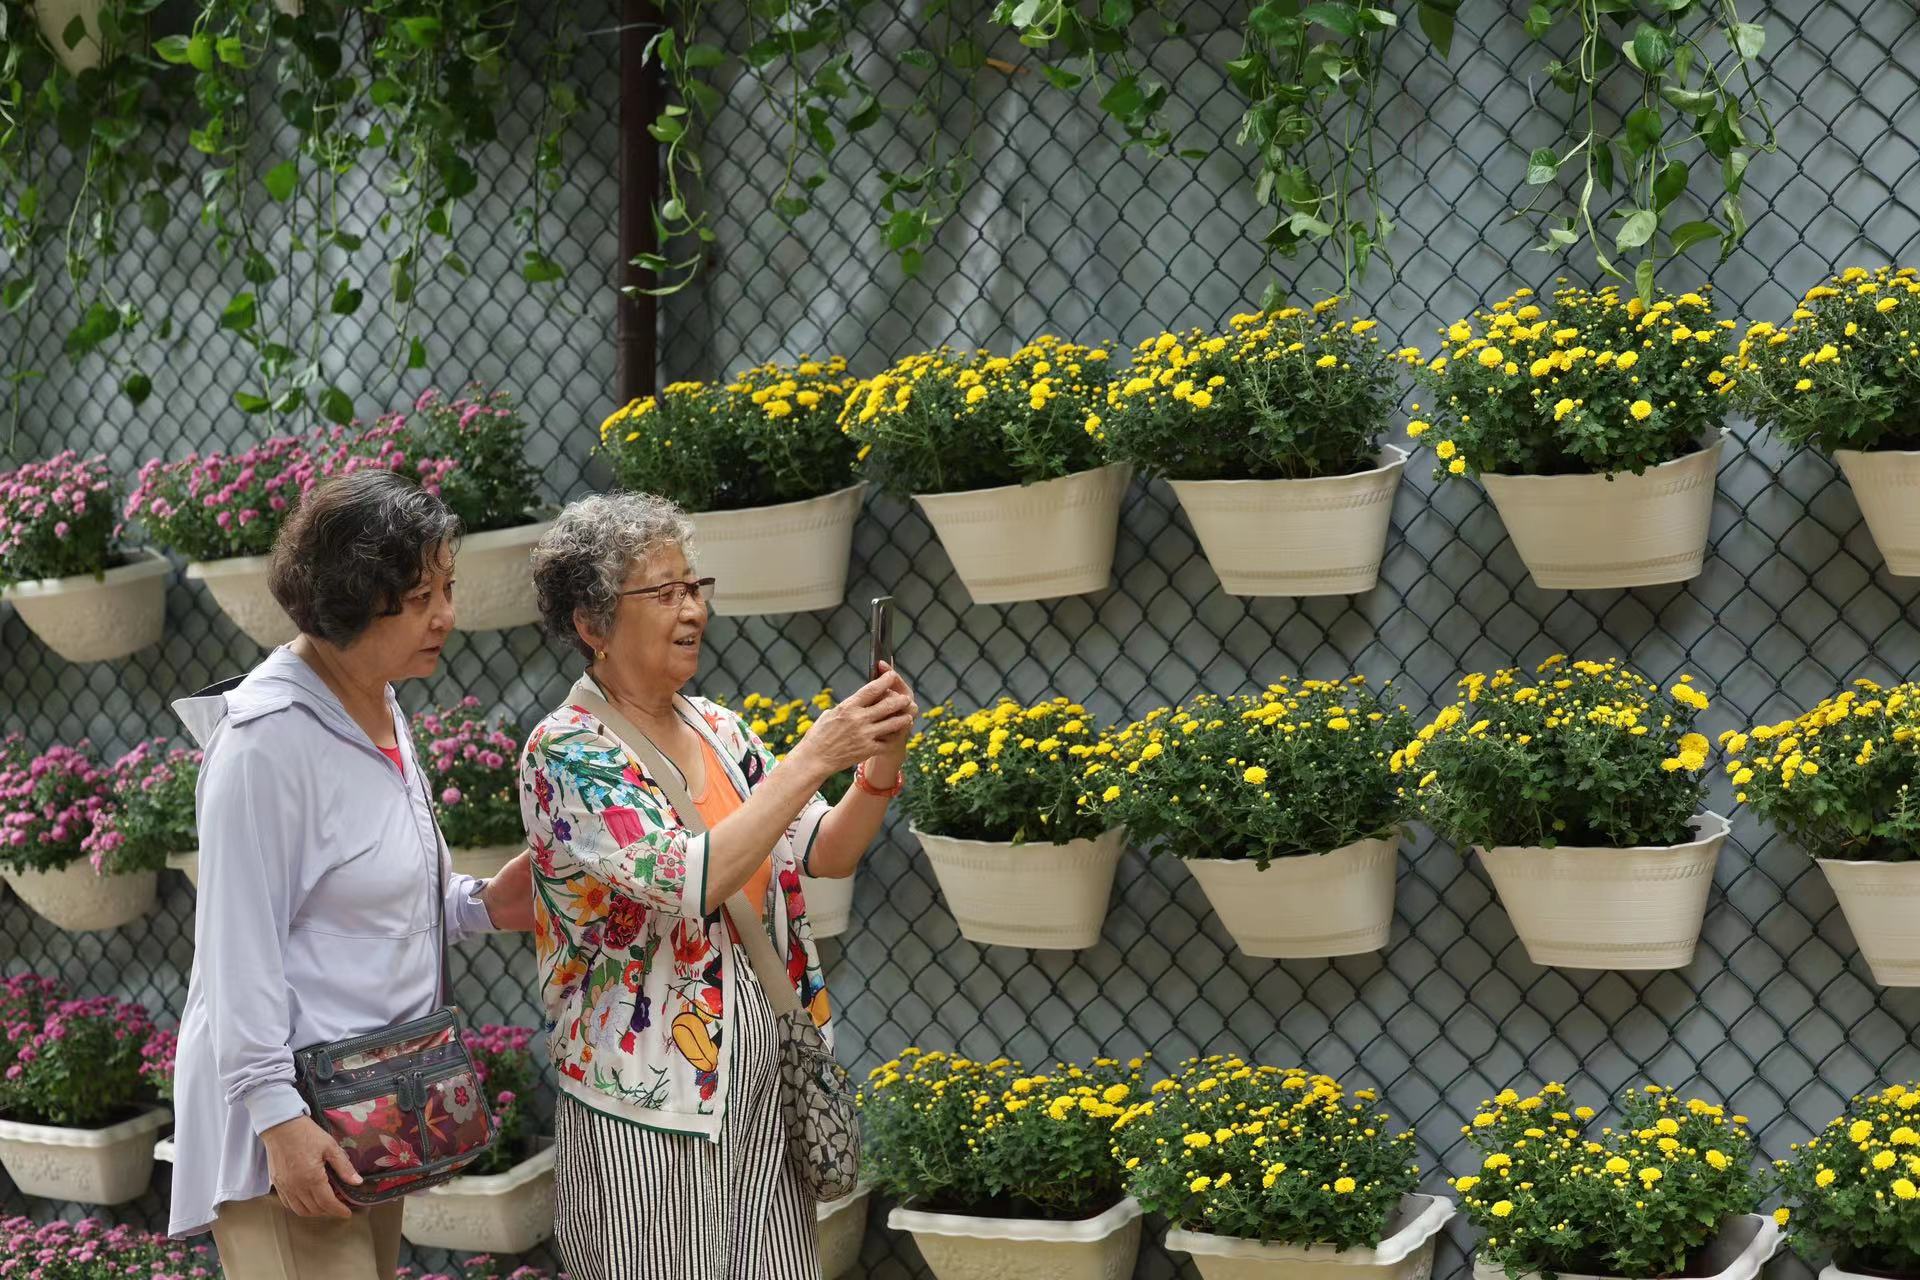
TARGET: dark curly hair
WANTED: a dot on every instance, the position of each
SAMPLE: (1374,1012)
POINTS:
(353,549)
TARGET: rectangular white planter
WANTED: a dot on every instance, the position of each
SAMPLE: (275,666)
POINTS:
(1405,1253)
(840,1225)
(1046,896)
(1320,537)
(1585,532)
(496,578)
(1879,900)
(509,1212)
(1886,484)
(88,1166)
(1595,908)
(956,1247)
(1741,1248)
(239,586)
(787,558)
(89,619)
(1338,903)
(1032,542)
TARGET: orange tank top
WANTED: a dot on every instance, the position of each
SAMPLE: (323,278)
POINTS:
(722,801)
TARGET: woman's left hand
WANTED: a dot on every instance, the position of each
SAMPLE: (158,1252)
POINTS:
(509,895)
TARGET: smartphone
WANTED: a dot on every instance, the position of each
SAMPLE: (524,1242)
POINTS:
(880,618)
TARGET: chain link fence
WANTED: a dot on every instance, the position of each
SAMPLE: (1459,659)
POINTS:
(1061,231)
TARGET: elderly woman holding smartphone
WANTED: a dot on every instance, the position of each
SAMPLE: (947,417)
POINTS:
(648,810)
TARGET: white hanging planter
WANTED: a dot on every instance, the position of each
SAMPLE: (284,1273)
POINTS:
(1320,537)
(829,902)
(55,16)
(1881,901)
(1834,1271)
(957,1247)
(496,579)
(187,864)
(1032,542)
(1737,1252)
(1405,1253)
(239,586)
(1886,484)
(89,619)
(81,900)
(1585,532)
(1327,904)
(87,1166)
(509,1212)
(839,1227)
(1597,908)
(788,558)
(484,862)
(1048,896)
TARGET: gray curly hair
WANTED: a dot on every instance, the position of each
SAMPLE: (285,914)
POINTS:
(583,560)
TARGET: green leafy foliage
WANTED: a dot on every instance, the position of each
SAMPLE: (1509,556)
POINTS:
(944,421)
(1854,1189)
(1838,780)
(1287,394)
(1263,1153)
(1554,1193)
(1008,773)
(1585,753)
(1588,384)
(1699,104)
(1844,371)
(1296,769)
(949,1135)
(767,435)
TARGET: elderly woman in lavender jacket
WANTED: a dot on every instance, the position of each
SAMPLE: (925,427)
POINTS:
(319,867)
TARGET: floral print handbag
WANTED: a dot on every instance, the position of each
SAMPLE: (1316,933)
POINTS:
(404,1103)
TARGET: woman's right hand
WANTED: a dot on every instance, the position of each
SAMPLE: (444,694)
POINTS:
(859,726)
(299,1153)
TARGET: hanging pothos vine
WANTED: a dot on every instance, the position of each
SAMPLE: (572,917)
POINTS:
(1690,103)
(1310,75)
(103,100)
(415,85)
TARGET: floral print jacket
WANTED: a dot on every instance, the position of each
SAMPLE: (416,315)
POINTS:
(637,980)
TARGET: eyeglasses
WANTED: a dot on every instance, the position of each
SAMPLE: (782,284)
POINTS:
(670,595)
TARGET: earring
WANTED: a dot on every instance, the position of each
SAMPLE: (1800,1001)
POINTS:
(599,655)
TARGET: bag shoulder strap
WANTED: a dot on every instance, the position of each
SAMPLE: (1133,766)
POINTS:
(747,923)
(440,859)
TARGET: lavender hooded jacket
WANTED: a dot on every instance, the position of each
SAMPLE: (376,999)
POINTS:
(315,921)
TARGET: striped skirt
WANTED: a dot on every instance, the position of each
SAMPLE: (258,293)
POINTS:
(631,1203)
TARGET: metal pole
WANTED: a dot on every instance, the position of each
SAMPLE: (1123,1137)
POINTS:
(636,324)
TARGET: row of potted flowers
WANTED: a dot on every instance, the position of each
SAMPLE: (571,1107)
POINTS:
(1266,1172)
(67,568)
(1580,786)
(82,843)
(1594,422)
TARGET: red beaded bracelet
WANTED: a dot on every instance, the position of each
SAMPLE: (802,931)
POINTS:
(860,781)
